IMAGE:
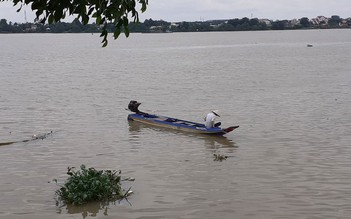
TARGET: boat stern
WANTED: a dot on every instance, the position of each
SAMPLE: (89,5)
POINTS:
(130,117)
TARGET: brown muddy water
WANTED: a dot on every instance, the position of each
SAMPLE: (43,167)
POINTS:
(290,158)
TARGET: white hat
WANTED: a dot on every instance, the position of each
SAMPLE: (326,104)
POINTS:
(216,112)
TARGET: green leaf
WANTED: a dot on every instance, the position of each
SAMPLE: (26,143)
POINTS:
(85,19)
(19,8)
(34,6)
(51,19)
(91,10)
(105,43)
(125,21)
(143,7)
(104,32)
(38,13)
(98,19)
(71,9)
(58,16)
(126,31)
(117,33)
(119,23)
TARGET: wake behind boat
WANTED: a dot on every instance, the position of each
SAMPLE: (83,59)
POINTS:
(178,124)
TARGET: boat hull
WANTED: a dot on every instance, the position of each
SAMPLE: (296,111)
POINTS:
(177,124)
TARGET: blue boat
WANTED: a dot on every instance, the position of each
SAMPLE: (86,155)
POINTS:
(173,123)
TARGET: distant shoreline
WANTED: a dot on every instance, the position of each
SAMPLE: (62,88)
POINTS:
(160,26)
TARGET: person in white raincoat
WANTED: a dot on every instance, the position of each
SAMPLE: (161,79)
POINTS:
(210,119)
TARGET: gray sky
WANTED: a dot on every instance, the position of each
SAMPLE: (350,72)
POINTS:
(195,10)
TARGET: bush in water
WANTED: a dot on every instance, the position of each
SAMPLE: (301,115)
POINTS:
(89,184)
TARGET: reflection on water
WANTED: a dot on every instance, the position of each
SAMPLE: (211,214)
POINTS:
(89,209)
(211,141)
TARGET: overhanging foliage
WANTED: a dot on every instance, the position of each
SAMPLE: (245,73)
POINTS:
(103,11)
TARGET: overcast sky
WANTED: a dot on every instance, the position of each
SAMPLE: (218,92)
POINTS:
(195,10)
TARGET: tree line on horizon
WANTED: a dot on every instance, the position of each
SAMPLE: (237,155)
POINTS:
(160,26)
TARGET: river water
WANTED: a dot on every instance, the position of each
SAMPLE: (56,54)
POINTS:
(290,158)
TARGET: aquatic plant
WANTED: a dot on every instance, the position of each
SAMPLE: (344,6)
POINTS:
(218,157)
(88,184)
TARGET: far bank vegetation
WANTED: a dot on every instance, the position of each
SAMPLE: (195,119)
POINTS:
(161,26)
